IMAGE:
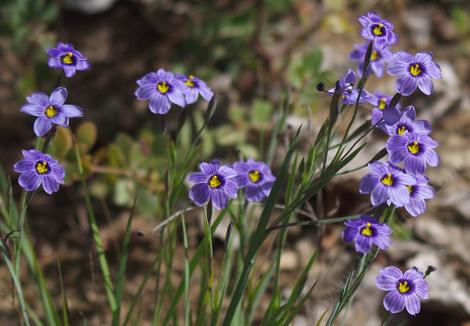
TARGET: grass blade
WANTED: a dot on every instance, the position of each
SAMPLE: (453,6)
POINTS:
(108,283)
(16,283)
(260,234)
(200,251)
(65,307)
(123,263)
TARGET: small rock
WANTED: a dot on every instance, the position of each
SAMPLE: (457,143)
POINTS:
(289,260)
(459,201)
(418,21)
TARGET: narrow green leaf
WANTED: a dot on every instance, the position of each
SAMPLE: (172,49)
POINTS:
(195,261)
(65,306)
(16,283)
(187,302)
(121,277)
(96,236)
(286,312)
(258,293)
(259,235)
(142,284)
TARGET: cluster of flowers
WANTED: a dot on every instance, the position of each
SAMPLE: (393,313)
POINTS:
(408,144)
(219,183)
(162,88)
(37,168)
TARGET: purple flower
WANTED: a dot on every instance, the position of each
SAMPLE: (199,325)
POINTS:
(215,182)
(65,57)
(162,89)
(416,150)
(408,124)
(378,30)
(404,290)
(418,193)
(39,169)
(378,58)
(365,232)
(386,181)
(194,87)
(256,177)
(50,110)
(382,110)
(414,71)
(348,92)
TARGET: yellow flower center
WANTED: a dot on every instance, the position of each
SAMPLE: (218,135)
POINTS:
(378,29)
(401,130)
(374,55)
(214,182)
(382,103)
(50,111)
(42,167)
(163,87)
(189,82)
(403,287)
(387,180)
(254,176)
(414,148)
(367,230)
(410,189)
(67,58)
(415,70)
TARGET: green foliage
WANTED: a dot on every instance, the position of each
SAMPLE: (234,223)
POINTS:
(145,174)
(19,18)
(62,148)
(304,73)
(155,165)
(461,19)
(246,125)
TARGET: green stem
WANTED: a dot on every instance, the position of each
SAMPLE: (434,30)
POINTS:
(209,253)
(356,106)
(259,236)
(123,262)
(315,222)
(16,283)
(358,274)
(187,303)
(24,203)
(96,236)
